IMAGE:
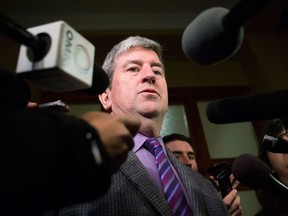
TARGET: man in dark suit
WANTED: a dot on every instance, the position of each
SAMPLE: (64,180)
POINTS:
(138,87)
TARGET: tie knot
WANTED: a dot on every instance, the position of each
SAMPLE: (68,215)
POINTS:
(151,145)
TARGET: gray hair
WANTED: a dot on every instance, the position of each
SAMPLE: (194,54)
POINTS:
(124,46)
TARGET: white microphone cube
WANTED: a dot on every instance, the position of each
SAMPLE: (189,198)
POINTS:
(68,64)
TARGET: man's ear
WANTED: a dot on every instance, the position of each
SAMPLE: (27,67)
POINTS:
(105,100)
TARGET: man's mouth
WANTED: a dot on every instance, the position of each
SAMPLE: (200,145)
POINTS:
(152,91)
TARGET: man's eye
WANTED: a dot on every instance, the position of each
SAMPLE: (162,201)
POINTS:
(133,69)
(177,155)
(158,72)
(191,157)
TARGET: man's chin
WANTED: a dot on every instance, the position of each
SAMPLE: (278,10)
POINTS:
(152,113)
(151,109)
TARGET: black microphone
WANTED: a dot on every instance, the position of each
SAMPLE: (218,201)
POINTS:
(100,81)
(217,33)
(263,106)
(275,144)
(254,173)
(39,45)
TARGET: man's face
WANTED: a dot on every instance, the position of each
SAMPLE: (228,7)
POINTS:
(138,85)
(184,152)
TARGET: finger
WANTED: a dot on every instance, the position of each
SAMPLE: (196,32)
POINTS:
(234,206)
(119,155)
(128,142)
(238,212)
(228,199)
(232,178)
(234,181)
(132,123)
(235,184)
(31,105)
(117,162)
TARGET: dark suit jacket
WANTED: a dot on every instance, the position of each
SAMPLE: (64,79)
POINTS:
(133,192)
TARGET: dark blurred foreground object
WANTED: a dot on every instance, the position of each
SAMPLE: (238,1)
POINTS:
(14,92)
(47,159)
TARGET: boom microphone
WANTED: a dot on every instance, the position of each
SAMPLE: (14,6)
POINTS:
(275,145)
(217,33)
(55,56)
(249,108)
(254,173)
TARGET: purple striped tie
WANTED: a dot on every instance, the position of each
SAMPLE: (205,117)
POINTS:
(172,188)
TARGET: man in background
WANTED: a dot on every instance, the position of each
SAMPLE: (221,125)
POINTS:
(181,146)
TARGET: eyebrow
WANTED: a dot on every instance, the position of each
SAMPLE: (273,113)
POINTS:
(139,62)
(180,152)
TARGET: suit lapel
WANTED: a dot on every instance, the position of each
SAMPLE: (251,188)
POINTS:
(186,179)
(140,178)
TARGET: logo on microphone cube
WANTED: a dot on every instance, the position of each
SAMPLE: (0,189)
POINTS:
(67,66)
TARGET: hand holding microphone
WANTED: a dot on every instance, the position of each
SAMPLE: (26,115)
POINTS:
(221,172)
(221,175)
(116,134)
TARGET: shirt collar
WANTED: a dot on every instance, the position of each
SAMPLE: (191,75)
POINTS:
(139,140)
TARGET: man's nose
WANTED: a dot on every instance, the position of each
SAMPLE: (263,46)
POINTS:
(149,75)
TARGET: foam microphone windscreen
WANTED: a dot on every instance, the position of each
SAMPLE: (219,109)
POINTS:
(251,171)
(217,33)
(263,106)
(14,91)
(207,42)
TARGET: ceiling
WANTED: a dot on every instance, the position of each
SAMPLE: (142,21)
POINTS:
(106,22)
(110,14)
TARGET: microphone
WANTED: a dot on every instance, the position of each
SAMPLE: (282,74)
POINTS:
(100,81)
(217,34)
(55,56)
(265,106)
(276,145)
(254,173)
